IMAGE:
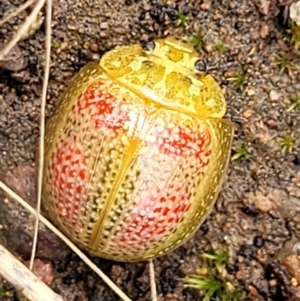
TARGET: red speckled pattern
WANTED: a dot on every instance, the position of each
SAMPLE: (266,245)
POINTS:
(67,181)
(170,145)
(104,109)
(153,217)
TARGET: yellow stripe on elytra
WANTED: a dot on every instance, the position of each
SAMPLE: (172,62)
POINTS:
(130,153)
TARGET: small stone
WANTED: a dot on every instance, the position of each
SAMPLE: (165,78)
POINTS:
(292,263)
(209,48)
(248,113)
(264,204)
(205,6)
(250,92)
(228,74)
(274,96)
(264,31)
(272,123)
(67,74)
(273,282)
(94,47)
(42,270)
(71,27)
(294,282)
(63,46)
(104,25)
(258,241)
(252,290)
(264,7)
(295,12)
(239,275)
(14,60)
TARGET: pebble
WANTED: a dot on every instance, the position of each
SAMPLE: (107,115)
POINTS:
(258,241)
(272,123)
(239,275)
(104,25)
(250,92)
(248,113)
(273,282)
(205,6)
(294,282)
(14,60)
(94,47)
(171,297)
(274,96)
(264,31)
(43,270)
(252,290)
(292,263)
(264,7)
(264,204)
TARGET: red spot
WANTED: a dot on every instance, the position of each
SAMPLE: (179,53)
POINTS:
(155,216)
(182,142)
(105,110)
(68,181)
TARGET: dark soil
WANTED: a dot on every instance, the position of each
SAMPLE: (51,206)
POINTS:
(257,216)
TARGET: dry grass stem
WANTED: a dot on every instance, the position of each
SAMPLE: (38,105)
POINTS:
(15,12)
(23,29)
(152,281)
(23,279)
(42,128)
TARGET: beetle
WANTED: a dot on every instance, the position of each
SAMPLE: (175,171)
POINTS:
(136,151)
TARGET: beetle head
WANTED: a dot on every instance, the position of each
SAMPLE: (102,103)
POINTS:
(169,73)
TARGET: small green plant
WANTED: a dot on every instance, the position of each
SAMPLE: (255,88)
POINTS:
(287,143)
(181,19)
(293,34)
(294,103)
(239,80)
(197,41)
(284,63)
(217,257)
(241,153)
(213,282)
(220,47)
(55,44)
(2,291)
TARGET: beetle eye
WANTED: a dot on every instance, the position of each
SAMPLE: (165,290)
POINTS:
(200,65)
(149,46)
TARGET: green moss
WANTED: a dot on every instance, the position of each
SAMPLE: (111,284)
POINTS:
(220,47)
(181,20)
(241,153)
(294,102)
(293,35)
(197,41)
(213,282)
(284,63)
(239,79)
(287,143)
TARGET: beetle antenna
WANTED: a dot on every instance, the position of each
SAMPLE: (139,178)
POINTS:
(223,67)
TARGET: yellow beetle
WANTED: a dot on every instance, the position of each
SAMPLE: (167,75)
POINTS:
(136,151)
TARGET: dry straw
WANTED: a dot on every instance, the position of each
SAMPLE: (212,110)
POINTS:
(14,271)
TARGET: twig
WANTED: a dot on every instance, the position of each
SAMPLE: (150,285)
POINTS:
(24,28)
(42,129)
(15,12)
(152,281)
(67,241)
(24,280)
